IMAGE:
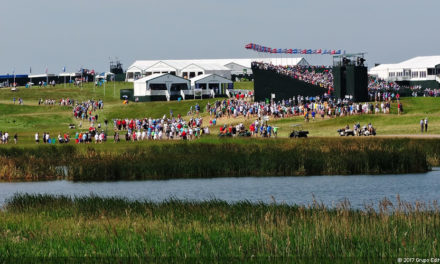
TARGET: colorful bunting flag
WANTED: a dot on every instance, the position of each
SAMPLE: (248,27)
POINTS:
(260,48)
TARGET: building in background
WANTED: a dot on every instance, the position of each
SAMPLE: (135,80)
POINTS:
(423,71)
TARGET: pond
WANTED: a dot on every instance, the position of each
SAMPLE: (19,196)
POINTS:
(358,189)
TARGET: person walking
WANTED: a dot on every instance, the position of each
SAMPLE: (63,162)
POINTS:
(426,125)
(422,123)
(15,138)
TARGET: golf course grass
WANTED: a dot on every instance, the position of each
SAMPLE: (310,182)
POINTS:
(323,153)
(59,228)
(30,118)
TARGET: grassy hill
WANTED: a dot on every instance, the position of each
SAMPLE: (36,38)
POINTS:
(29,118)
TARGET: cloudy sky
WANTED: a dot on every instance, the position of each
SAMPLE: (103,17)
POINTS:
(86,33)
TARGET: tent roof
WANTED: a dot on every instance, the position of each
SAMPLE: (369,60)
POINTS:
(212,64)
(414,63)
(159,75)
(150,77)
(105,73)
(421,62)
(68,74)
(208,77)
(41,75)
(12,76)
(208,66)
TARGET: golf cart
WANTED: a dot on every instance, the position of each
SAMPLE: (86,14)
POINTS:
(344,132)
(365,131)
(244,133)
(297,132)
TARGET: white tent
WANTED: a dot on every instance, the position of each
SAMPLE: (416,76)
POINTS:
(46,75)
(69,74)
(193,68)
(422,68)
(104,75)
(163,84)
(213,82)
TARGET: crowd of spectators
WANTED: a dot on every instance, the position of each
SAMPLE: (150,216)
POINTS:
(84,110)
(61,102)
(377,84)
(309,107)
(159,129)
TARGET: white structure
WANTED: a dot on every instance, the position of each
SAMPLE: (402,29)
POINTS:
(424,68)
(105,76)
(211,82)
(192,68)
(70,74)
(163,85)
(39,76)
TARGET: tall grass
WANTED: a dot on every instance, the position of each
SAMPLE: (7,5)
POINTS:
(58,226)
(216,158)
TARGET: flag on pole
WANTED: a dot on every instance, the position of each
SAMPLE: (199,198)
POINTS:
(47,69)
(64,69)
(30,69)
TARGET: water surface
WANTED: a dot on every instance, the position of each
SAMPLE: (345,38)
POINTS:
(359,189)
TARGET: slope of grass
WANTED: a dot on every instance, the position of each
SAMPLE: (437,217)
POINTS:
(244,85)
(30,118)
(86,92)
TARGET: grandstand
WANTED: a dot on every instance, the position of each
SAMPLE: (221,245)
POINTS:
(283,82)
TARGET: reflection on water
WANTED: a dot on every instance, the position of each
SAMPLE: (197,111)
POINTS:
(359,189)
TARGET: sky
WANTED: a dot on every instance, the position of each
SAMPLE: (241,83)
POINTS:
(89,33)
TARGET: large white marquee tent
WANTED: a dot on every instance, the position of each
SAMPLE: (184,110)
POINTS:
(192,68)
(423,68)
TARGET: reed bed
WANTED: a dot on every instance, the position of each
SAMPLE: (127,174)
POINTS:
(217,158)
(59,226)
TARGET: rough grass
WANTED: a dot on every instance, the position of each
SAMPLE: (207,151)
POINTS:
(217,158)
(59,226)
